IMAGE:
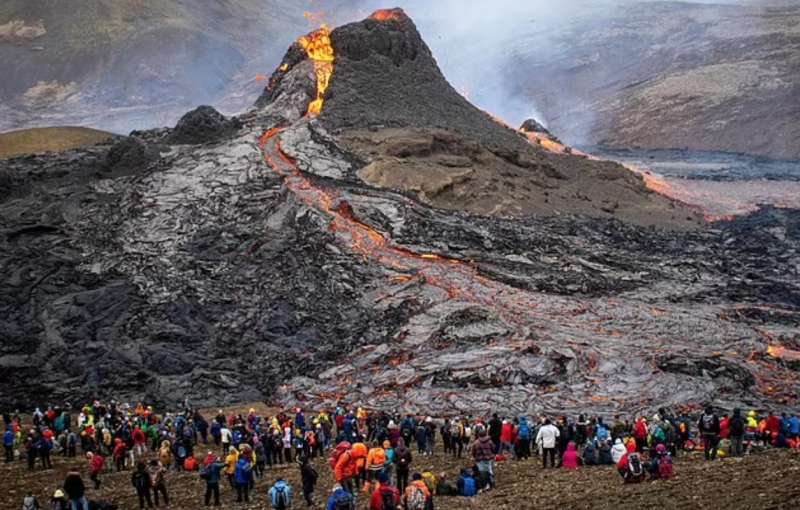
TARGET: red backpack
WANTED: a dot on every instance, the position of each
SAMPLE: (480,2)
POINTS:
(665,467)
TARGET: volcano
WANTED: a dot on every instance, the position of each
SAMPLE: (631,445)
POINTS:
(364,234)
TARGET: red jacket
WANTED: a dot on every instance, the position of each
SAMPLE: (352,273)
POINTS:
(376,501)
(96,464)
(138,436)
(774,425)
(119,450)
(724,428)
(506,432)
(640,430)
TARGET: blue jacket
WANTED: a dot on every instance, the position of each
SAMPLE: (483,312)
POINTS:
(336,496)
(794,425)
(243,472)
(8,438)
(214,471)
(279,486)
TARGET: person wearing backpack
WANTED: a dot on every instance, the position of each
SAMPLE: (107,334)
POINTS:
(29,502)
(340,499)
(467,486)
(211,473)
(709,430)
(417,496)
(309,477)
(661,467)
(385,497)
(96,465)
(376,460)
(280,495)
(140,479)
(242,478)
(631,467)
(158,474)
(736,429)
(483,455)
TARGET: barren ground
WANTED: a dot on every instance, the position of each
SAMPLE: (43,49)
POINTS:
(766,480)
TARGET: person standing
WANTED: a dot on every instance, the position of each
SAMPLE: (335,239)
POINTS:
(483,453)
(709,430)
(402,461)
(211,473)
(308,475)
(242,476)
(140,479)
(736,429)
(75,491)
(158,474)
(547,438)
(96,464)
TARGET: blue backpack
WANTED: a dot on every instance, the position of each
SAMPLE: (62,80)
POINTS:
(524,431)
(469,488)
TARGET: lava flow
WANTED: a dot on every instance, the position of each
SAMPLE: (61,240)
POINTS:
(319,49)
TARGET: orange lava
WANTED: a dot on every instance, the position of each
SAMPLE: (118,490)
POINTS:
(319,49)
(781,352)
(395,14)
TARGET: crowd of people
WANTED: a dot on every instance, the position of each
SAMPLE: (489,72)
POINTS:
(370,454)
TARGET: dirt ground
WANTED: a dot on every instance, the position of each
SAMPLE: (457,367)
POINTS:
(766,480)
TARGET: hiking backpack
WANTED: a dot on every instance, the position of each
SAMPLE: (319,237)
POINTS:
(469,487)
(416,499)
(665,467)
(344,501)
(387,499)
(524,431)
(280,499)
(635,466)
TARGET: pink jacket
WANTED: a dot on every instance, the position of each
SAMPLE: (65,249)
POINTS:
(570,457)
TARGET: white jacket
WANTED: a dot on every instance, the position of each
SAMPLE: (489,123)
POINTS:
(547,436)
(618,451)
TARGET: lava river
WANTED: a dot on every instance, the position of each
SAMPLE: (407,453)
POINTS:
(550,352)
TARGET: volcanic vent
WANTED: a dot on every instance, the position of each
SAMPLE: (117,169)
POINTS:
(320,250)
(407,128)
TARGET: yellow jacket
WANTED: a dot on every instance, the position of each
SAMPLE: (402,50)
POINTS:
(230,462)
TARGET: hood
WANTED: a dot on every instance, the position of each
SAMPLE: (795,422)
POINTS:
(571,447)
(618,442)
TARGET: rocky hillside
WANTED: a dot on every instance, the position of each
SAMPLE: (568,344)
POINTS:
(255,259)
(671,75)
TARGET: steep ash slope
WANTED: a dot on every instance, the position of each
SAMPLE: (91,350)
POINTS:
(386,79)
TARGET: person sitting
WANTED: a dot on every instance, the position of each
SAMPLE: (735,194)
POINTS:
(618,450)
(280,495)
(340,499)
(631,467)
(589,455)
(604,454)
(570,459)
(445,488)
(466,484)
(661,466)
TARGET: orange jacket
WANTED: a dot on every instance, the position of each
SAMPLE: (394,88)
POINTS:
(359,452)
(345,467)
(376,458)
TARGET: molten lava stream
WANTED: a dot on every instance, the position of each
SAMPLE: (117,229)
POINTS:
(460,280)
(319,49)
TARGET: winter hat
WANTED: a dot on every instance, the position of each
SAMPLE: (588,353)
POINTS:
(660,448)
(618,441)
(58,494)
